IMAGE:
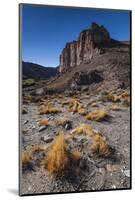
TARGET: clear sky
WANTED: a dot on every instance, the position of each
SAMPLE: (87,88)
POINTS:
(46,30)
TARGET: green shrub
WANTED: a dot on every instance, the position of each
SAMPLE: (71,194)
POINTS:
(28,82)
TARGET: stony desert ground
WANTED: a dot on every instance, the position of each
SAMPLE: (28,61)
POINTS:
(76,141)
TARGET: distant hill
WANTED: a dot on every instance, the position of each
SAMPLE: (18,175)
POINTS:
(35,71)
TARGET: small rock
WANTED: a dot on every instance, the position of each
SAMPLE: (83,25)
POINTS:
(111,168)
(47,139)
(127,172)
(42,128)
(68,126)
(24,111)
(25,122)
(101,170)
(33,127)
(114,186)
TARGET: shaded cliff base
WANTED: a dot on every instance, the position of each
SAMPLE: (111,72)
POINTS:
(110,70)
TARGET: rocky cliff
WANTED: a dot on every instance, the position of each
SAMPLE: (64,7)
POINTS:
(89,44)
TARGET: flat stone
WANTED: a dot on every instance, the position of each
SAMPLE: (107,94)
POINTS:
(47,139)
(42,128)
(127,172)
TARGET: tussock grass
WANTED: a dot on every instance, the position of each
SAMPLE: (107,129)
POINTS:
(76,107)
(115,108)
(26,159)
(57,159)
(62,121)
(85,129)
(48,110)
(113,97)
(127,101)
(43,122)
(76,155)
(97,115)
(100,146)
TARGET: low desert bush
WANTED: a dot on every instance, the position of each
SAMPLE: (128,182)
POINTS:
(115,108)
(28,82)
(97,115)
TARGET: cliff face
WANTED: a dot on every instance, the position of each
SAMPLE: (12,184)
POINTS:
(85,48)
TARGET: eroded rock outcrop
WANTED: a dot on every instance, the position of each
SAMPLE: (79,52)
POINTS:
(85,48)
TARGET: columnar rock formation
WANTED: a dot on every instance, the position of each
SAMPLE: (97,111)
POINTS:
(85,48)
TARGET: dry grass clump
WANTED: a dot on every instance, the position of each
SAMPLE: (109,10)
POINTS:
(48,110)
(85,129)
(115,107)
(43,122)
(76,155)
(62,121)
(82,111)
(100,146)
(27,99)
(57,159)
(75,106)
(97,115)
(35,149)
(113,97)
(26,159)
(127,101)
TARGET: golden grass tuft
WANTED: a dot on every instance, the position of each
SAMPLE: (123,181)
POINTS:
(100,146)
(82,111)
(26,159)
(57,159)
(76,155)
(43,122)
(85,129)
(48,110)
(62,121)
(35,149)
(115,108)
(127,101)
(97,115)
(113,97)
(75,106)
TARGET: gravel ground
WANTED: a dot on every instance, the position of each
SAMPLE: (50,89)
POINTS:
(95,173)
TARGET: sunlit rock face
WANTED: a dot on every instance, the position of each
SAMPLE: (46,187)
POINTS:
(85,48)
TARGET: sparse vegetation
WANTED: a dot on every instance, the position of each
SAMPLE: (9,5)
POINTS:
(48,110)
(115,107)
(97,115)
(100,146)
(43,122)
(26,159)
(57,159)
(28,82)
(62,121)
(85,129)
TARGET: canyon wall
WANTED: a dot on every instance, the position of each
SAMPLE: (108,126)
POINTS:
(85,48)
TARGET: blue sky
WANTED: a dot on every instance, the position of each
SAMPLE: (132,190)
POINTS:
(45,30)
